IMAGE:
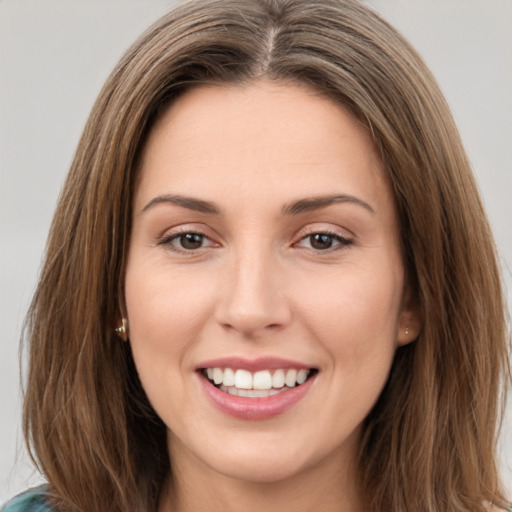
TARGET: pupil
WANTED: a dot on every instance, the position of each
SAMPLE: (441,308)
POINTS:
(320,241)
(191,241)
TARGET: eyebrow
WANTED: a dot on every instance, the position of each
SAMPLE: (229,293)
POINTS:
(190,203)
(314,203)
(293,208)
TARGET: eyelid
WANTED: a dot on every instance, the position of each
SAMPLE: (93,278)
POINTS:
(341,240)
(172,234)
(344,240)
(327,228)
(166,239)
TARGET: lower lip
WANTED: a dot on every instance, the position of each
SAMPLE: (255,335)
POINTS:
(260,408)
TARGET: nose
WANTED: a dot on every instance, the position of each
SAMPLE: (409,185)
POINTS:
(253,298)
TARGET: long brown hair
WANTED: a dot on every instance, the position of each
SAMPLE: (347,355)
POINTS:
(429,443)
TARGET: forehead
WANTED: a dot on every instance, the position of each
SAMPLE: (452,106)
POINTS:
(259,138)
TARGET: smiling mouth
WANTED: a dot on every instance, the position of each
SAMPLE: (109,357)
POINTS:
(260,384)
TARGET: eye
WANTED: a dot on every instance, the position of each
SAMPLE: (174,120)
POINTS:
(186,241)
(190,241)
(324,241)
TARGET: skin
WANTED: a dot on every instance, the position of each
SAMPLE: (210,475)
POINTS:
(257,286)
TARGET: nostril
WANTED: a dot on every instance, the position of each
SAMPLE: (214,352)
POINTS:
(251,328)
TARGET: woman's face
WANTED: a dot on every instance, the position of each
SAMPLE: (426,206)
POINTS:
(265,250)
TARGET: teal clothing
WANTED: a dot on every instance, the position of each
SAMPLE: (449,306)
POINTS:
(32,500)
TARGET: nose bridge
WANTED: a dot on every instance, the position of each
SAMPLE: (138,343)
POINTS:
(253,300)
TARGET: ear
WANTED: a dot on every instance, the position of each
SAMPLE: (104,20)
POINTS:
(410,321)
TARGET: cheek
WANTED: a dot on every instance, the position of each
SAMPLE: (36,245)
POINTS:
(157,339)
(354,315)
(359,290)
(156,347)
(167,311)
(163,306)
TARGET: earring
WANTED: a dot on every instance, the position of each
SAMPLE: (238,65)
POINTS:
(407,330)
(122,331)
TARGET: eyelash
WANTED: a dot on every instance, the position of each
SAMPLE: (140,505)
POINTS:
(340,242)
(168,241)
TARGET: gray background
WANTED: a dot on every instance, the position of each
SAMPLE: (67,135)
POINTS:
(56,54)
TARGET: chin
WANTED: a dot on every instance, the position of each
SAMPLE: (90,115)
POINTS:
(269,459)
(264,470)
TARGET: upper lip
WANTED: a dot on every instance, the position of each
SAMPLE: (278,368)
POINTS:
(253,365)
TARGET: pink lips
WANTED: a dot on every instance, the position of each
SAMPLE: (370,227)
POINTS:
(254,408)
(262,363)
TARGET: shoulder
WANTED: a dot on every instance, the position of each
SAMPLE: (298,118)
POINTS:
(32,500)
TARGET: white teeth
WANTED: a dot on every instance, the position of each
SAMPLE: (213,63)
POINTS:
(252,393)
(278,379)
(229,377)
(291,378)
(243,379)
(218,375)
(263,380)
(302,376)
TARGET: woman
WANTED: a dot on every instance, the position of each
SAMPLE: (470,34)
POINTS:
(269,282)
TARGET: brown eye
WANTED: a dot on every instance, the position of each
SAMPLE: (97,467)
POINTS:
(321,241)
(190,241)
(324,241)
(186,242)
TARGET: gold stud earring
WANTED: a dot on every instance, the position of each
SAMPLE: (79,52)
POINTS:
(122,330)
